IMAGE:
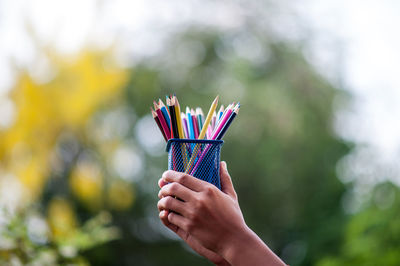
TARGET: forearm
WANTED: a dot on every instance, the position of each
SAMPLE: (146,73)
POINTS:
(248,249)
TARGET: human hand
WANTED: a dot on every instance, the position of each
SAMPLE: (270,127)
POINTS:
(204,212)
(210,220)
(189,239)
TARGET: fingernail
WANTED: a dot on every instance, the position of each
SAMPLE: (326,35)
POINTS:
(224,165)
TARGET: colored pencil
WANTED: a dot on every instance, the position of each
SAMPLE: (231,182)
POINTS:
(162,121)
(214,120)
(208,118)
(154,114)
(202,134)
(195,124)
(190,123)
(165,112)
(200,118)
(174,127)
(222,123)
(229,122)
(220,112)
(185,127)
(178,117)
(223,114)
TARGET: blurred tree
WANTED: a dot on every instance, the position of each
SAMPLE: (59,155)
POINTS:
(372,235)
(44,141)
(44,111)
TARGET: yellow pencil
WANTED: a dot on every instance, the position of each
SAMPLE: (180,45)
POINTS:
(180,130)
(208,119)
(178,118)
(202,134)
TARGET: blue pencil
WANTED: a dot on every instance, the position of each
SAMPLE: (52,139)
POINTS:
(221,111)
(190,123)
(165,112)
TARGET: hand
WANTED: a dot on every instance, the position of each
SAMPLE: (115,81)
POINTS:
(210,220)
(206,213)
(190,240)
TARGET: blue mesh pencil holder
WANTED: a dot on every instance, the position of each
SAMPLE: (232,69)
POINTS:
(199,158)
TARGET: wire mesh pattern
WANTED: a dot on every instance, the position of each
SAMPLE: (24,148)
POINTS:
(199,158)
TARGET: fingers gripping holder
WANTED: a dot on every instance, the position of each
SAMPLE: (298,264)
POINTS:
(199,158)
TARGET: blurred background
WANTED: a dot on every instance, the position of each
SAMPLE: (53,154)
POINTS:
(313,154)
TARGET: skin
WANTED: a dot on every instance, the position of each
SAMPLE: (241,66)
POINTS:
(210,221)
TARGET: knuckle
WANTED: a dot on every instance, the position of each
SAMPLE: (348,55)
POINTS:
(201,203)
(168,201)
(193,215)
(173,188)
(159,204)
(209,191)
(166,174)
(183,178)
(190,226)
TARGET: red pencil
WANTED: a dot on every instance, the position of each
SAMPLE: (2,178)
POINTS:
(162,121)
(158,123)
(195,124)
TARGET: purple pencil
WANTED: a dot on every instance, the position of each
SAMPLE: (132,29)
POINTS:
(185,128)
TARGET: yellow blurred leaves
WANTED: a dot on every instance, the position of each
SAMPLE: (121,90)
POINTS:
(43,110)
(61,218)
(86,183)
(120,195)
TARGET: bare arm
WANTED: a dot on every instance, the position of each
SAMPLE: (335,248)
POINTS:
(212,219)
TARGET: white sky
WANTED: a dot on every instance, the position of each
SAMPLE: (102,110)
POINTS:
(358,38)
(369,31)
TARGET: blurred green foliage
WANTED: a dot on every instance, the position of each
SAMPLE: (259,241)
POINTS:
(26,245)
(372,236)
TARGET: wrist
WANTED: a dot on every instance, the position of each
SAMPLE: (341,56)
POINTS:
(223,263)
(246,248)
(235,245)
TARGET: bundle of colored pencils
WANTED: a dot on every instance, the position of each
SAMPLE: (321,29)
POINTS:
(173,123)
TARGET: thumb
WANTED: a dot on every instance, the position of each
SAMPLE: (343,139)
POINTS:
(226,181)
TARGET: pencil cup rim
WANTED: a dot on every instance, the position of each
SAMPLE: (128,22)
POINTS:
(201,141)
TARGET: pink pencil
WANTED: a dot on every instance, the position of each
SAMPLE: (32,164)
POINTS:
(222,123)
(216,132)
(163,122)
